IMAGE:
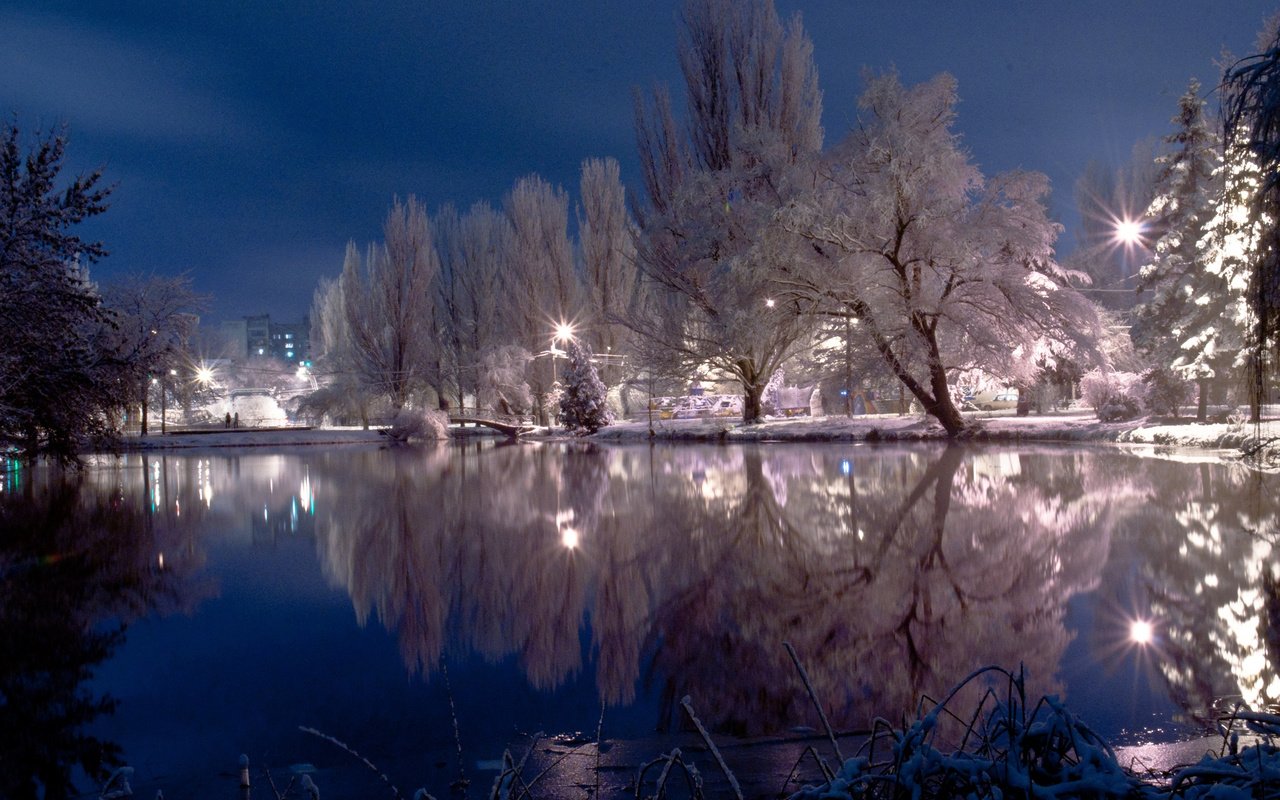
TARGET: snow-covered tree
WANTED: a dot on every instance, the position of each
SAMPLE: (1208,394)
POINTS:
(754,111)
(387,305)
(50,397)
(151,320)
(584,406)
(502,386)
(472,250)
(539,286)
(943,270)
(606,239)
(1182,325)
(341,395)
(1251,102)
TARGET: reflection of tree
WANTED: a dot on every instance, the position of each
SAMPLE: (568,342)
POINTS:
(942,568)
(76,566)
(892,573)
(1211,580)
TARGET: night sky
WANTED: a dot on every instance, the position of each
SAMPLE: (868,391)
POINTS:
(249,141)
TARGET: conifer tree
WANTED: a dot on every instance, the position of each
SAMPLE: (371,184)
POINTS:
(583,403)
(1180,324)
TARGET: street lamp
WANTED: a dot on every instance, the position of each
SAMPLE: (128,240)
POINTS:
(1129,231)
(563,333)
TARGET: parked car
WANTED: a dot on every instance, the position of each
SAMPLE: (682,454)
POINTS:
(995,400)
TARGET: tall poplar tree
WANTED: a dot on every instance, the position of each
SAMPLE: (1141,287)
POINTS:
(754,110)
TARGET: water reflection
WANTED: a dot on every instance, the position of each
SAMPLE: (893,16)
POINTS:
(682,570)
(78,563)
(892,572)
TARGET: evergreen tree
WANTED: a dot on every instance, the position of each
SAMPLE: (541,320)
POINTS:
(1180,325)
(50,396)
(1251,103)
(583,404)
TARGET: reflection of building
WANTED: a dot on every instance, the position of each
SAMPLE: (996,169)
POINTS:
(258,336)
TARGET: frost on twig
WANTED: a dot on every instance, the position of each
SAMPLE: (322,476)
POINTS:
(309,786)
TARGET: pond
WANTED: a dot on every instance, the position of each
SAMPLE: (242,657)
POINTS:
(178,610)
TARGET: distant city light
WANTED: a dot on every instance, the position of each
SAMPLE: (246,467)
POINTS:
(768,303)
(564,331)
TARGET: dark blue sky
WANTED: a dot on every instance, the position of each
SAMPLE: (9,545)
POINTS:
(251,140)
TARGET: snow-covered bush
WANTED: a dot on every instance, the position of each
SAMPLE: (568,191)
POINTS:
(1013,748)
(584,405)
(1114,396)
(502,383)
(419,424)
(257,410)
(1165,391)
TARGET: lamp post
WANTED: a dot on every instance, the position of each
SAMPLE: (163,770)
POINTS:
(563,333)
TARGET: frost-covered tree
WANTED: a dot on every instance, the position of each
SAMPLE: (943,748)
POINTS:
(341,395)
(943,270)
(1251,103)
(1183,323)
(539,286)
(606,239)
(472,250)
(503,386)
(50,396)
(1224,294)
(150,321)
(754,111)
(387,306)
(584,406)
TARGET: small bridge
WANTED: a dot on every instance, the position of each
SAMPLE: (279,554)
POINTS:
(510,424)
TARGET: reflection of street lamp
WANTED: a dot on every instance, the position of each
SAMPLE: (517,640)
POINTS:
(1141,632)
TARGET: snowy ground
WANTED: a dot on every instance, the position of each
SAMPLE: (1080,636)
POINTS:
(1184,439)
(1225,439)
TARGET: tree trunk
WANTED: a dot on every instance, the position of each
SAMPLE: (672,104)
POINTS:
(145,388)
(751,406)
(1202,404)
(942,407)
(1024,402)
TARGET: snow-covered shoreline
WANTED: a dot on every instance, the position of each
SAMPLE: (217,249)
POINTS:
(1221,440)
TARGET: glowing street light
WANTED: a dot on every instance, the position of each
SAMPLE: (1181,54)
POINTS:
(204,375)
(1129,231)
(563,333)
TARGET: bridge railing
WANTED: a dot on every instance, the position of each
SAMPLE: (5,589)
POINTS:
(471,412)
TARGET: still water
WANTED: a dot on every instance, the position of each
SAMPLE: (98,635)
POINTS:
(178,610)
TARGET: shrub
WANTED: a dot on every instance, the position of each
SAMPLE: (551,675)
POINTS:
(1165,391)
(1114,396)
(418,424)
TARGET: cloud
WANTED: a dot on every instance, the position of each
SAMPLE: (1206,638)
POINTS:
(52,70)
